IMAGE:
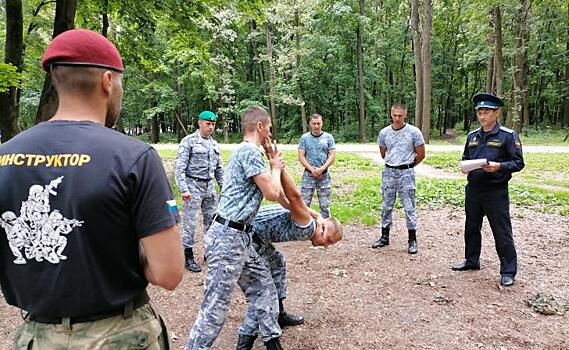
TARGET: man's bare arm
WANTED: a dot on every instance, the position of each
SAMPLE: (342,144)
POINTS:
(299,212)
(163,258)
(420,150)
(382,151)
(329,161)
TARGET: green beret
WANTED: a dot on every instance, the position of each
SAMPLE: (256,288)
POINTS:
(209,116)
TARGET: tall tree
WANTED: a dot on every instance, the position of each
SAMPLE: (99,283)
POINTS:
(417,50)
(520,116)
(298,70)
(64,20)
(271,64)
(10,100)
(427,68)
(360,59)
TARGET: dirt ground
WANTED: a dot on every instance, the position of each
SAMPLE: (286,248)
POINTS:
(355,297)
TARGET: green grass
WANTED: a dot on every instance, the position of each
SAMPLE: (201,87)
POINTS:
(356,195)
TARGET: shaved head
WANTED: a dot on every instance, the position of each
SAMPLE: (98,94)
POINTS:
(252,116)
(76,80)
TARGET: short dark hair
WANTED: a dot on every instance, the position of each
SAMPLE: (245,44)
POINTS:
(399,106)
(81,80)
(252,116)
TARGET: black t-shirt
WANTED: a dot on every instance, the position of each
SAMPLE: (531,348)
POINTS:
(75,199)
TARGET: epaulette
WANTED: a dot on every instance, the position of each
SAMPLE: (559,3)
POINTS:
(509,131)
(473,131)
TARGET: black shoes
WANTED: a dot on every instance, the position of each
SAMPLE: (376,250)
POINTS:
(412,249)
(245,342)
(506,280)
(383,240)
(465,266)
(274,344)
(191,264)
(286,319)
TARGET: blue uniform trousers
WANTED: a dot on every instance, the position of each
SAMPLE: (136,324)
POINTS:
(495,205)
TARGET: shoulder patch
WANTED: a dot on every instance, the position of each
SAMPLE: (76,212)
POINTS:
(473,131)
(509,131)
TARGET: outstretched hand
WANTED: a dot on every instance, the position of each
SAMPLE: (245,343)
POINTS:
(274,156)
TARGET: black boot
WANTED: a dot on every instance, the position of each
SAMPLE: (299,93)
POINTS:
(274,344)
(245,342)
(286,319)
(412,242)
(191,264)
(383,240)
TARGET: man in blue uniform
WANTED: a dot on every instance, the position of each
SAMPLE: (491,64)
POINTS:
(487,188)
(198,163)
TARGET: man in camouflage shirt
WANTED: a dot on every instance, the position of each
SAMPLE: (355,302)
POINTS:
(292,220)
(230,256)
(316,152)
(402,146)
(197,164)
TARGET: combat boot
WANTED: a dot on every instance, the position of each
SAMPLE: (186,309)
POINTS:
(412,242)
(286,319)
(245,342)
(191,264)
(274,344)
(383,240)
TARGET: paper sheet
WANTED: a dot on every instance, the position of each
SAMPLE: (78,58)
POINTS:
(469,165)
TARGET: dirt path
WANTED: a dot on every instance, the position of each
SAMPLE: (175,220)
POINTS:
(354,297)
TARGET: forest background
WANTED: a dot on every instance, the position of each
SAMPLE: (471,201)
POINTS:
(347,60)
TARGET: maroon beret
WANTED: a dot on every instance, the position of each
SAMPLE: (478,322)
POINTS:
(82,47)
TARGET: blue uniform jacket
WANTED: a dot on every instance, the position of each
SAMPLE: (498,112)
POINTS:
(500,145)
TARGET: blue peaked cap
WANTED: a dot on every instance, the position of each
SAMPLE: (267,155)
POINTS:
(485,100)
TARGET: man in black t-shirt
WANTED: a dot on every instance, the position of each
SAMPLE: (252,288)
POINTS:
(87,217)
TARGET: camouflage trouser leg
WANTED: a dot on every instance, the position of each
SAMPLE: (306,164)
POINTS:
(277,264)
(402,182)
(226,251)
(209,206)
(191,209)
(323,188)
(143,330)
(262,300)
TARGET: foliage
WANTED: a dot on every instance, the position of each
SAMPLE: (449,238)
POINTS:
(8,77)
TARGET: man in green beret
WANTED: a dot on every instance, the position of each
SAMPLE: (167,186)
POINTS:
(198,163)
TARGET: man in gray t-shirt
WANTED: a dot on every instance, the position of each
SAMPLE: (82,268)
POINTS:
(228,251)
(316,152)
(403,147)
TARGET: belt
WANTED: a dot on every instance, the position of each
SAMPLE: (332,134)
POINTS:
(199,179)
(236,225)
(401,167)
(324,172)
(125,310)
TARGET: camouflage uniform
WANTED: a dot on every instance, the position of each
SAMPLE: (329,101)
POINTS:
(273,224)
(145,329)
(197,164)
(231,258)
(317,149)
(400,146)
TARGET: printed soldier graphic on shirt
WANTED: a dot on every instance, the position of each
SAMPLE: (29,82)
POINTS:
(39,231)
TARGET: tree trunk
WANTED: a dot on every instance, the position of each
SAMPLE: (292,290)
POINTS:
(269,40)
(303,120)
(360,64)
(491,59)
(13,54)
(427,69)
(498,57)
(519,63)
(64,20)
(566,100)
(416,34)
(154,129)
(105,27)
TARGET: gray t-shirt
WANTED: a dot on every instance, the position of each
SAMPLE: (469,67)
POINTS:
(400,144)
(316,148)
(240,197)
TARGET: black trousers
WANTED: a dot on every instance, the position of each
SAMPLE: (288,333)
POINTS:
(495,205)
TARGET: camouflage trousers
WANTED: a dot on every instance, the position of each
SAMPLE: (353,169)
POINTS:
(230,260)
(282,229)
(402,182)
(204,198)
(143,330)
(323,189)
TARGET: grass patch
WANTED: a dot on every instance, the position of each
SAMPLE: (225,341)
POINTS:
(356,194)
